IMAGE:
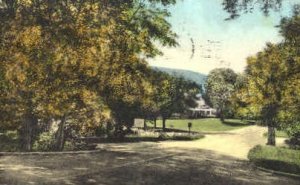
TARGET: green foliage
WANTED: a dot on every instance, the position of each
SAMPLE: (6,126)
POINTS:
(237,7)
(273,81)
(275,158)
(94,60)
(289,114)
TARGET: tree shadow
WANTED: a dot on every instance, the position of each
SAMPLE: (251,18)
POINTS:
(138,139)
(137,164)
(279,165)
(180,168)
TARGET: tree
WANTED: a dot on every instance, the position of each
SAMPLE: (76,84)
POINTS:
(219,88)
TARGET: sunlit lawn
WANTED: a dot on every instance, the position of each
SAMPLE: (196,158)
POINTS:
(202,125)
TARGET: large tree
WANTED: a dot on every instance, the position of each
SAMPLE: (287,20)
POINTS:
(267,72)
(273,80)
(64,59)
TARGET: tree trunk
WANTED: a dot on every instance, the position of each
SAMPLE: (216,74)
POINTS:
(154,123)
(271,136)
(269,113)
(28,132)
(60,135)
(164,123)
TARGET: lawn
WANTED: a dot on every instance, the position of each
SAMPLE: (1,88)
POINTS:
(203,125)
(276,158)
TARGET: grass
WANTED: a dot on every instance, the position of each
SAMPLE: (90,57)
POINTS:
(278,133)
(203,125)
(276,158)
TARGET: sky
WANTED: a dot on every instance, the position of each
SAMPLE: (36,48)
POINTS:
(217,43)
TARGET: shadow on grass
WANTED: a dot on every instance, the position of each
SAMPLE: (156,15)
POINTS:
(275,158)
(278,166)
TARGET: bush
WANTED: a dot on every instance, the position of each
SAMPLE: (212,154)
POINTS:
(275,158)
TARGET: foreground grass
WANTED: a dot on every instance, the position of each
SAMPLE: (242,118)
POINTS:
(203,125)
(275,158)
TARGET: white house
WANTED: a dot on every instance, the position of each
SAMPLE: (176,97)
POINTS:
(202,109)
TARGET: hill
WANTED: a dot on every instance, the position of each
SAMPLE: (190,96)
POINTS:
(186,74)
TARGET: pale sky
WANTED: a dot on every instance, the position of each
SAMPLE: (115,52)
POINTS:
(218,43)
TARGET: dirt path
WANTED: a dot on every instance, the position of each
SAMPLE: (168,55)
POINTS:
(217,159)
(234,143)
